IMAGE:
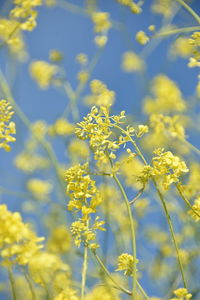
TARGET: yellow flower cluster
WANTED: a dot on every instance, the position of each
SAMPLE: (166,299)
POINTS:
(165,167)
(28,162)
(194,41)
(61,127)
(181,47)
(126,263)
(18,243)
(142,38)
(131,62)
(97,127)
(101,26)
(103,292)
(167,97)
(100,94)
(192,189)
(43,73)
(134,7)
(163,7)
(24,12)
(10,34)
(7,127)
(40,189)
(67,294)
(196,208)
(59,240)
(101,22)
(181,294)
(78,150)
(167,125)
(44,265)
(84,197)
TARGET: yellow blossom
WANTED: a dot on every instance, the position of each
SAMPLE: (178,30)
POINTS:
(7,127)
(43,267)
(126,263)
(59,240)
(18,243)
(67,294)
(43,73)
(181,294)
(167,97)
(196,208)
(134,7)
(55,56)
(131,62)
(101,40)
(142,38)
(101,21)
(61,127)
(100,94)
(40,189)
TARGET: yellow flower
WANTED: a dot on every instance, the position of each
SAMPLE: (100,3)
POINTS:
(101,21)
(142,38)
(43,73)
(196,208)
(100,94)
(181,294)
(44,265)
(24,12)
(163,7)
(134,7)
(40,189)
(61,127)
(126,263)
(59,240)
(131,62)
(67,294)
(17,242)
(7,127)
(167,97)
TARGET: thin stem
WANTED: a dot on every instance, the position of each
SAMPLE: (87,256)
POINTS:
(175,31)
(172,232)
(191,146)
(84,272)
(33,294)
(163,204)
(117,285)
(12,283)
(133,235)
(186,200)
(190,10)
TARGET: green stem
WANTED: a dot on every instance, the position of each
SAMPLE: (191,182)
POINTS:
(133,235)
(186,200)
(12,283)
(117,285)
(163,204)
(34,297)
(176,31)
(172,232)
(191,146)
(190,10)
(84,272)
